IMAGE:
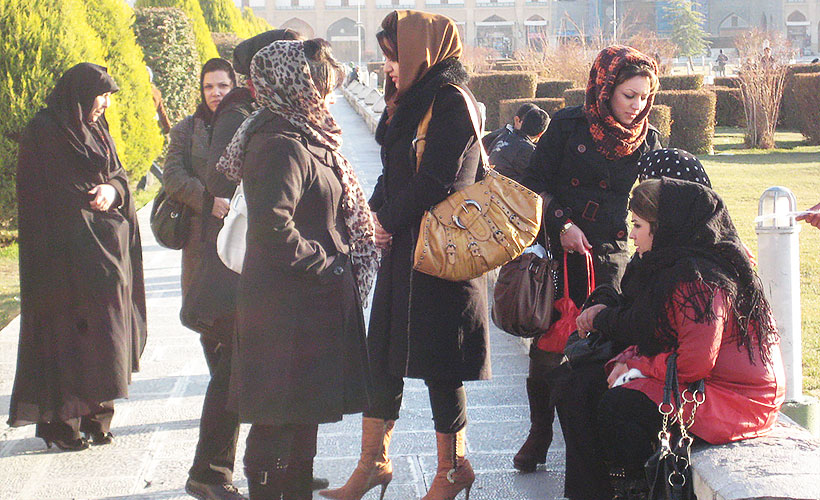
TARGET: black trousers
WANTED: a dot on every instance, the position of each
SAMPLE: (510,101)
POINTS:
(448,400)
(68,430)
(218,426)
(602,427)
(544,370)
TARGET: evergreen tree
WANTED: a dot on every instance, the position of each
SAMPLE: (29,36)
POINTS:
(40,40)
(255,23)
(204,44)
(140,132)
(223,16)
(687,28)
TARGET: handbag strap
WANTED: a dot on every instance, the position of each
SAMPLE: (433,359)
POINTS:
(590,275)
(420,141)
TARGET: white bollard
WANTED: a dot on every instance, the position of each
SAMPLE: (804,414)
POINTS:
(779,270)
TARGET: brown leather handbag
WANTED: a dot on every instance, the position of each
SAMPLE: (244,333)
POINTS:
(478,228)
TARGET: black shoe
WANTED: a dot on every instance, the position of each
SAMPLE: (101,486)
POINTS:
(319,483)
(78,444)
(218,491)
(100,438)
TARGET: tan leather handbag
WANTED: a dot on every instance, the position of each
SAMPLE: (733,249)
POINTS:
(478,228)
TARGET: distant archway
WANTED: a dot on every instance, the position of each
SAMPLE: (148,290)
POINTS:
(342,35)
(299,26)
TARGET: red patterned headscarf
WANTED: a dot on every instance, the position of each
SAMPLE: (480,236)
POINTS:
(614,140)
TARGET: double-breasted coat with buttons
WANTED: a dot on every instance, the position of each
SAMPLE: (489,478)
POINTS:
(300,353)
(588,189)
(422,326)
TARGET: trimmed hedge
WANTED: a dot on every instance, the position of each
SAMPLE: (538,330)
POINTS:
(141,137)
(205,47)
(660,116)
(727,81)
(225,44)
(693,119)
(493,87)
(681,82)
(41,40)
(167,39)
(807,91)
(791,108)
(729,107)
(223,16)
(553,88)
(508,107)
(255,23)
(575,97)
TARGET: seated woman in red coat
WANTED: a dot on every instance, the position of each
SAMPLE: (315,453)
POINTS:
(693,290)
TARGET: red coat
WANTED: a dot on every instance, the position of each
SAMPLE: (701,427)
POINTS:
(742,398)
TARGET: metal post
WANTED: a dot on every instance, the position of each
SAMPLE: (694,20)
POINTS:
(359,32)
(779,269)
(614,21)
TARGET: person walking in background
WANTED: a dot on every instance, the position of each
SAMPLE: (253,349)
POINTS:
(585,164)
(721,63)
(310,261)
(510,156)
(82,294)
(421,326)
(693,291)
(507,130)
(208,287)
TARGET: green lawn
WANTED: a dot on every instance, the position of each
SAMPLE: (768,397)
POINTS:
(741,176)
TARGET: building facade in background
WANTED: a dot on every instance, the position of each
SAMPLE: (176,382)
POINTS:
(510,25)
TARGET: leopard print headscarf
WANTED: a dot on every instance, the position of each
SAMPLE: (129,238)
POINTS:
(281,77)
(612,139)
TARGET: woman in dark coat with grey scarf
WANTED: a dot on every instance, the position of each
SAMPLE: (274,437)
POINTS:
(310,260)
(421,326)
(82,295)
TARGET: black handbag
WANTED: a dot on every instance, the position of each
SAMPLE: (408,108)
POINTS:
(595,348)
(668,470)
(170,221)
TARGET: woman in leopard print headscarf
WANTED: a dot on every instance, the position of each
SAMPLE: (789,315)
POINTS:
(310,261)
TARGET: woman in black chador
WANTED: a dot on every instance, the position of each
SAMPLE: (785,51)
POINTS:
(82,295)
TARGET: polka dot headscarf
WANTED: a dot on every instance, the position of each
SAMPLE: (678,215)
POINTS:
(672,163)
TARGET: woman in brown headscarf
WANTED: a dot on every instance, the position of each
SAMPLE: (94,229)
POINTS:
(421,326)
(82,298)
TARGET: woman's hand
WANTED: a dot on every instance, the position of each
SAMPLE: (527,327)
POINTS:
(574,240)
(221,207)
(585,319)
(813,219)
(104,196)
(617,370)
(383,238)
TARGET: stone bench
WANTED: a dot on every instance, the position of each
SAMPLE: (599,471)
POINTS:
(783,465)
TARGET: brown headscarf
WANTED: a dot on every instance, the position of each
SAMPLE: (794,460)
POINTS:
(424,40)
(612,139)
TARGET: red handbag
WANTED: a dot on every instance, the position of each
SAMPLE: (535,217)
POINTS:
(555,339)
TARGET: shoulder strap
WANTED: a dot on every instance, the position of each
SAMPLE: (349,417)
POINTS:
(421,132)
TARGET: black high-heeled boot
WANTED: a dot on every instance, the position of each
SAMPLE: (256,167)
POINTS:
(78,444)
(534,449)
(266,484)
(298,479)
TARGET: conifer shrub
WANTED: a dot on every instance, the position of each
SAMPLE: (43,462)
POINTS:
(660,117)
(553,88)
(491,88)
(508,107)
(141,136)
(791,108)
(575,97)
(727,81)
(681,82)
(202,35)
(223,16)
(41,40)
(167,40)
(807,92)
(693,119)
(729,107)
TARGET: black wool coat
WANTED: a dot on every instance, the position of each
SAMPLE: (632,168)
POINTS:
(300,353)
(588,189)
(82,294)
(208,286)
(422,326)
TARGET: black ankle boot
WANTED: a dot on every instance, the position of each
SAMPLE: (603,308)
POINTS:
(266,485)
(534,449)
(298,481)
(628,484)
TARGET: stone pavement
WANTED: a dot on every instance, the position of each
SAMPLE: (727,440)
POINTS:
(156,428)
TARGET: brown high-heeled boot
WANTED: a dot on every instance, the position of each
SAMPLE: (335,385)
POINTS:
(374,468)
(454,472)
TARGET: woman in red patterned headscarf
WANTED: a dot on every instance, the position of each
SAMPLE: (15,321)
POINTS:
(585,164)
